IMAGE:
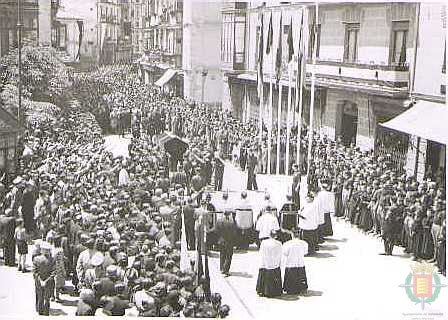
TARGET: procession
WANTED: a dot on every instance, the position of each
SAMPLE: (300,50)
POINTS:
(260,190)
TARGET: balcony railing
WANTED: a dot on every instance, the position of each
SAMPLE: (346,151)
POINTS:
(391,75)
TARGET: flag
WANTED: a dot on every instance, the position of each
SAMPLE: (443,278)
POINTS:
(184,258)
(278,60)
(269,40)
(290,43)
(260,60)
(299,58)
(80,28)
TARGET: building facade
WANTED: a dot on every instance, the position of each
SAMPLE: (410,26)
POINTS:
(181,45)
(426,156)
(162,44)
(364,52)
(38,23)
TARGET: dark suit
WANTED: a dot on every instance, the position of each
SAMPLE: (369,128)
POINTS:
(219,174)
(43,269)
(189,226)
(8,226)
(226,231)
(251,175)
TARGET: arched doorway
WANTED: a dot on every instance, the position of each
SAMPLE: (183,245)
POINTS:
(349,123)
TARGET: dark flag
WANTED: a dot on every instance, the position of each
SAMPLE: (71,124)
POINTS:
(270,39)
(260,59)
(81,29)
(278,59)
(290,43)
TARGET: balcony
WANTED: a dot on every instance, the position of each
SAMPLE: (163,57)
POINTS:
(393,77)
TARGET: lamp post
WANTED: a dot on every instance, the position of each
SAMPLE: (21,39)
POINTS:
(19,41)
(204,75)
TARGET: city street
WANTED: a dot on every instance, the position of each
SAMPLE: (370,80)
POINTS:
(348,264)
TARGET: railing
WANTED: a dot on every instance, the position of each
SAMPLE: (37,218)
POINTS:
(395,66)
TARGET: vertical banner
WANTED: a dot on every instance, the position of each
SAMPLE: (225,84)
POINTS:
(81,31)
(260,76)
(278,75)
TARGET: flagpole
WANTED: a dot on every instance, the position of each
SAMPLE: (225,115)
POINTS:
(288,115)
(278,67)
(313,86)
(279,115)
(299,92)
(299,117)
(271,53)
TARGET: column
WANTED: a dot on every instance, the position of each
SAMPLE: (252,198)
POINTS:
(365,135)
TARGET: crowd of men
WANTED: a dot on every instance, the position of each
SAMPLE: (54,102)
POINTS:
(109,225)
(112,225)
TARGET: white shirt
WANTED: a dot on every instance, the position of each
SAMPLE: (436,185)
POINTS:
(271,254)
(294,251)
(265,224)
(325,203)
(123,177)
(311,216)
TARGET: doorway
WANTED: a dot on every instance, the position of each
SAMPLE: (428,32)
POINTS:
(349,124)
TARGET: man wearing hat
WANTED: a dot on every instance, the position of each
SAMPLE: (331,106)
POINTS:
(43,270)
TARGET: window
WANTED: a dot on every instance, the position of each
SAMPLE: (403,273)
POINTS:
(399,42)
(351,42)
(227,38)
(257,42)
(239,35)
(311,41)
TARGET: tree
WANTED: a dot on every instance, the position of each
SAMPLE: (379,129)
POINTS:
(44,76)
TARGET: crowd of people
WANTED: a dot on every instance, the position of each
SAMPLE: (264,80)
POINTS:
(112,225)
(370,194)
(109,225)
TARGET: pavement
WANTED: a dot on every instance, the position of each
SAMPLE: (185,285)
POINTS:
(347,279)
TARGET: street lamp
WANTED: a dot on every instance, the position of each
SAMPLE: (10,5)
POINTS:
(19,35)
(204,75)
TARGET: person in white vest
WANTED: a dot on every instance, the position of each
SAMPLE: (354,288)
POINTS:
(123,175)
(266,224)
(294,252)
(325,205)
(308,223)
(269,282)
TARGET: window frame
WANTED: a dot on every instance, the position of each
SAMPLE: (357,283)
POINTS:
(398,26)
(351,28)
(311,40)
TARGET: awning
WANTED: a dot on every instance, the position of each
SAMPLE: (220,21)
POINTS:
(428,120)
(169,73)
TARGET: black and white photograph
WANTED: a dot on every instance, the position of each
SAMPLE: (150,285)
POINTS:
(223,159)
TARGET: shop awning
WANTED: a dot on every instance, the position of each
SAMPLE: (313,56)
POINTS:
(167,76)
(428,120)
